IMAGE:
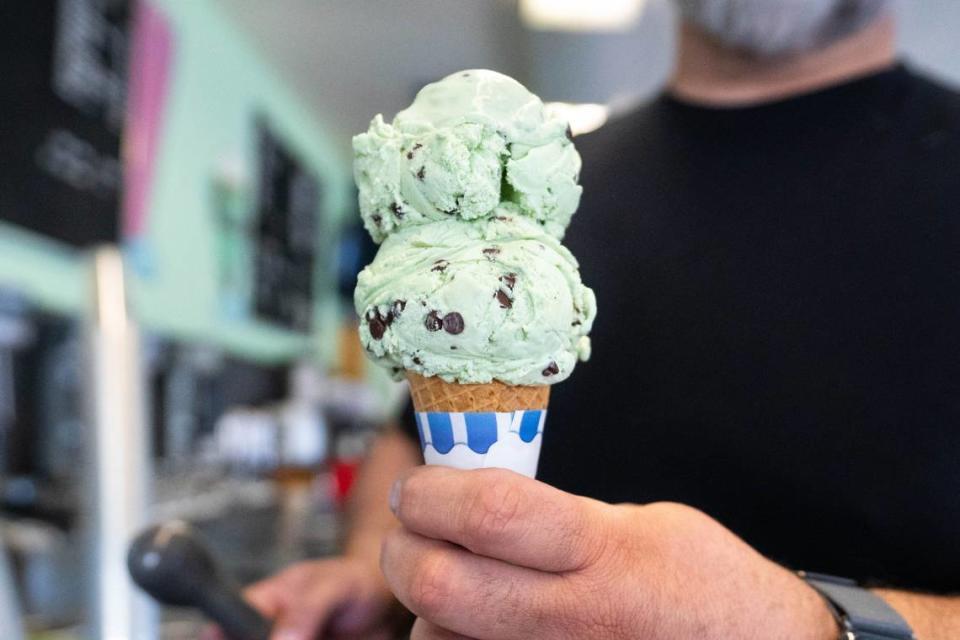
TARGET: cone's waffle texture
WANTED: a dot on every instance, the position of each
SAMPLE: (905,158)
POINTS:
(433,394)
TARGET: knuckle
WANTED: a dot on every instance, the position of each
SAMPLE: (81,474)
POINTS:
(678,536)
(680,523)
(586,536)
(432,585)
(492,509)
(677,512)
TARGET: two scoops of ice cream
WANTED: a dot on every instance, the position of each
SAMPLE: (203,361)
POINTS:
(471,295)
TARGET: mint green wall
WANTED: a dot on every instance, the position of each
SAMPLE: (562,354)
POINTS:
(46,273)
(218,82)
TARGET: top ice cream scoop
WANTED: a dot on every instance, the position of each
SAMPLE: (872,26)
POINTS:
(474,145)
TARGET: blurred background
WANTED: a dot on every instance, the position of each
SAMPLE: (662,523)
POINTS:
(179,243)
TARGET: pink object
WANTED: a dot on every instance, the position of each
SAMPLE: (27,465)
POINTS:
(150,60)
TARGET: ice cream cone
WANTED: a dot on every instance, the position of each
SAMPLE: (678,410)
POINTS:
(471,281)
(473,426)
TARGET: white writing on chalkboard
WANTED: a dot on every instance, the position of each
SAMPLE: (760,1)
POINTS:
(89,61)
(78,163)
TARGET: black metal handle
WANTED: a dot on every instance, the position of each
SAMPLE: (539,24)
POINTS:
(238,619)
(172,564)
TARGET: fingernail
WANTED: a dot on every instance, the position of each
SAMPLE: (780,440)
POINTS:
(395,498)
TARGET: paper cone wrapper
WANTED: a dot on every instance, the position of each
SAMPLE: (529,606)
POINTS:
(475,426)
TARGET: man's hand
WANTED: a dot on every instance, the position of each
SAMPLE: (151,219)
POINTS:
(489,554)
(338,599)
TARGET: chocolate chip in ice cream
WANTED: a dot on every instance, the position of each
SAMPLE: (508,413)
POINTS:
(377,327)
(569,133)
(503,299)
(551,370)
(491,252)
(398,307)
(377,219)
(509,280)
(433,321)
(397,210)
(440,266)
(453,323)
(378,322)
(417,361)
(422,174)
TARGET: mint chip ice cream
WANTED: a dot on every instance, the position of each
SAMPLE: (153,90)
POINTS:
(471,146)
(474,302)
(470,190)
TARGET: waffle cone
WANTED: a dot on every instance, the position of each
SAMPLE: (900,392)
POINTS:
(433,394)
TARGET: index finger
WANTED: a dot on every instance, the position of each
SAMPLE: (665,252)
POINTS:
(502,515)
(265,597)
(273,594)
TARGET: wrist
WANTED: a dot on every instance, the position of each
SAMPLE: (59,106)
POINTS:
(362,547)
(860,613)
(917,613)
(820,618)
(364,544)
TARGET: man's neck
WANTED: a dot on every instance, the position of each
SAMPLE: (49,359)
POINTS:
(708,73)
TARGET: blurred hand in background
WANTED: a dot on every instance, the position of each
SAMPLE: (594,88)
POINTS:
(336,598)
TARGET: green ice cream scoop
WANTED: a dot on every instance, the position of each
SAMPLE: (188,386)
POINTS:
(473,302)
(473,145)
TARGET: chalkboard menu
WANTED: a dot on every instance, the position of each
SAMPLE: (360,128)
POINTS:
(62,95)
(288,200)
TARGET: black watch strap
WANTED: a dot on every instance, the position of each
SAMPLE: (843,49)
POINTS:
(862,614)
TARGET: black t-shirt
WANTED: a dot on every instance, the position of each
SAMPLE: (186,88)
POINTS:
(778,334)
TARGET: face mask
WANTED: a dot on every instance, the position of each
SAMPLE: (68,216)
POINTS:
(779,27)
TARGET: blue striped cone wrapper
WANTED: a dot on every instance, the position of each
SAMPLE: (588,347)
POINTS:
(480,426)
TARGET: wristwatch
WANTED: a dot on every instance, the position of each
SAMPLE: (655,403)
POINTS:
(861,614)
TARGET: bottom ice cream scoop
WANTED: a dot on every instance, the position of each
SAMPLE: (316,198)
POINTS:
(472,302)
